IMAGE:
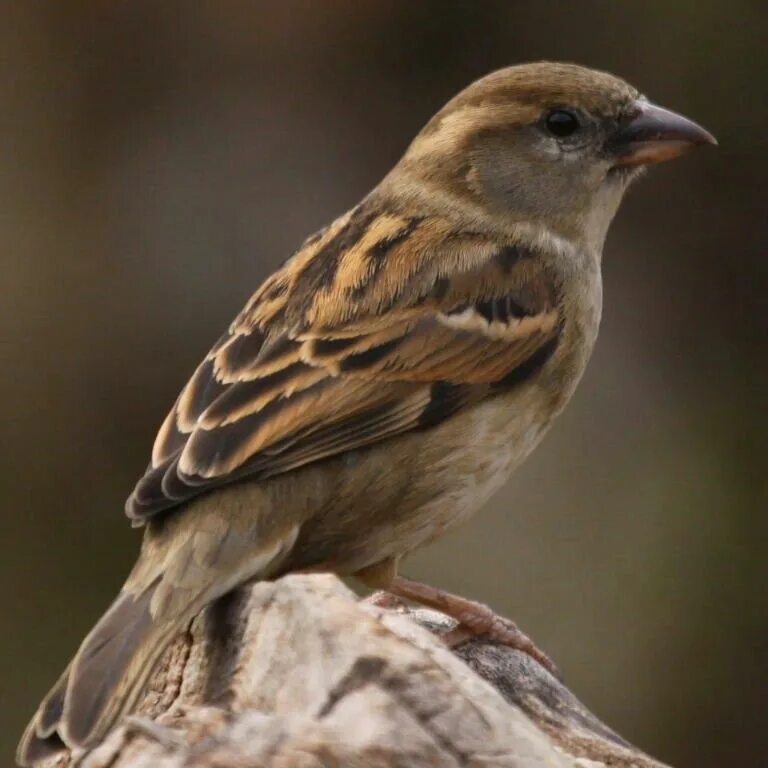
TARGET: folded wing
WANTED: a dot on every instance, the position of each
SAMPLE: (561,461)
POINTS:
(380,325)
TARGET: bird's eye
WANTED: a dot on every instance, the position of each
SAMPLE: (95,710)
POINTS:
(562,123)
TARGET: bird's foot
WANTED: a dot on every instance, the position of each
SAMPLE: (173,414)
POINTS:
(481,621)
(474,620)
(385,600)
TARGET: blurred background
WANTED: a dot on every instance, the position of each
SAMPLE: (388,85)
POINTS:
(157,160)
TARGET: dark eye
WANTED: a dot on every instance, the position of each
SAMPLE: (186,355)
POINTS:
(562,123)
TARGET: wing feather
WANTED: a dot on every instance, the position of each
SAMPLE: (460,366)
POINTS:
(380,325)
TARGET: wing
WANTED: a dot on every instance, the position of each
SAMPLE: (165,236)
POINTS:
(380,325)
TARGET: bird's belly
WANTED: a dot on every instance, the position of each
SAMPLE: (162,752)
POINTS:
(399,496)
(464,464)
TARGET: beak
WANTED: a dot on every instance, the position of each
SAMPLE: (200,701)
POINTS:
(653,134)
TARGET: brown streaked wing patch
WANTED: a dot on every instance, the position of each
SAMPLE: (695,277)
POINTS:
(396,409)
(444,400)
(246,423)
(419,257)
(358,431)
(355,261)
(169,440)
(224,339)
(340,353)
(251,396)
(172,485)
(268,301)
(244,360)
(238,353)
(266,305)
(382,324)
(222,450)
(202,389)
(530,366)
(148,495)
(359,261)
(508,257)
(320,273)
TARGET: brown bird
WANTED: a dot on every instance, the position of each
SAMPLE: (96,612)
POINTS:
(384,382)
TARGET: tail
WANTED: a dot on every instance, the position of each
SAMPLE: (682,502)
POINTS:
(103,681)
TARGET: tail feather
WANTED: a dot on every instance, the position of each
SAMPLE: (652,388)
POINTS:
(103,682)
(49,712)
(110,671)
(35,749)
(100,666)
(40,740)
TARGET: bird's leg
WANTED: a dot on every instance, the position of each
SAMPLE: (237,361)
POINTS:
(380,576)
(474,619)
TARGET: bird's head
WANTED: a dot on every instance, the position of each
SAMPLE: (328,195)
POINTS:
(544,143)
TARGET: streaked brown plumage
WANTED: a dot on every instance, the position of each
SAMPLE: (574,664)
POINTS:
(385,381)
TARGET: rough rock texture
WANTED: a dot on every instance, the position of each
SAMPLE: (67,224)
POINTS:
(299,673)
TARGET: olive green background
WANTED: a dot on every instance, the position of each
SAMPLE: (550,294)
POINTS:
(158,159)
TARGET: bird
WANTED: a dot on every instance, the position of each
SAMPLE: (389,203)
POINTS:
(386,380)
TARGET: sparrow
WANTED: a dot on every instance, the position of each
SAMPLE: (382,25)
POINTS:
(386,380)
